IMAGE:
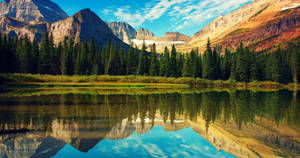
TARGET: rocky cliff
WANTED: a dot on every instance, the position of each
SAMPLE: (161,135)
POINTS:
(176,36)
(32,10)
(123,31)
(81,27)
(144,34)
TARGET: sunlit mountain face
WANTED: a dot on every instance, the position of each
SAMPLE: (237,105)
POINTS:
(89,123)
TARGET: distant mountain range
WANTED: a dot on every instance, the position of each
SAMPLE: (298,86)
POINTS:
(35,17)
(261,25)
(129,35)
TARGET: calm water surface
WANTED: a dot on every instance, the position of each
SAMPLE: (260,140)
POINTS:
(99,123)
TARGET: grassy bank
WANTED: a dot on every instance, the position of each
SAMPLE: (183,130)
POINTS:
(30,80)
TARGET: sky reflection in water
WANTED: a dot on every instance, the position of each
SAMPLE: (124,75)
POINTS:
(156,143)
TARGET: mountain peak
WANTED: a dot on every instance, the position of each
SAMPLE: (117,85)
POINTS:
(123,31)
(144,34)
(32,10)
(82,26)
(85,11)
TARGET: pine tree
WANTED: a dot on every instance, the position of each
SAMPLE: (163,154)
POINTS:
(63,58)
(294,62)
(25,56)
(186,71)
(55,56)
(217,62)
(180,64)
(70,57)
(233,69)
(254,70)
(243,64)
(153,70)
(164,63)
(142,65)
(115,67)
(131,61)
(35,54)
(77,69)
(45,56)
(123,58)
(226,65)
(83,59)
(108,56)
(92,57)
(276,66)
(173,63)
(209,63)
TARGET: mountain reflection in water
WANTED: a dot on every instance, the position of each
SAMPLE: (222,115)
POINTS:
(239,123)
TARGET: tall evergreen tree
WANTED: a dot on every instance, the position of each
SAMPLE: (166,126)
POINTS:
(173,63)
(243,64)
(209,63)
(63,58)
(226,66)
(92,57)
(186,71)
(45,56)
(83,59)
(153,70)
(164,63)
(35,56)
(25,56)
(142,65)
(131,61)
(295,65)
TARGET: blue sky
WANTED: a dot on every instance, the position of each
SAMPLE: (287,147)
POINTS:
(158,16)
(155,143)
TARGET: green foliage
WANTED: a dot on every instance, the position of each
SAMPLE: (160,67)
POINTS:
(154,65)
(143,62)
(86,58)
(173,63)
(45,56)
(210,65)
(164,63)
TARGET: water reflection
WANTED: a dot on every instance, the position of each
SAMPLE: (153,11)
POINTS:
(243,123)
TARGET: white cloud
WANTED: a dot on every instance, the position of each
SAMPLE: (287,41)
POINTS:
(106,11)
(152,12)
(182,13)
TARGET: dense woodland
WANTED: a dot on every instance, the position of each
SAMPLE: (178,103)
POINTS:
(70,58)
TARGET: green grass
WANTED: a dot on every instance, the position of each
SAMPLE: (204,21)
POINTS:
(37,80)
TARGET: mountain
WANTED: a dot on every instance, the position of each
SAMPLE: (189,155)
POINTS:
(261,25)
(81,26)
(128,34)
(176,36)
(169,39)
(32,10)
(123,31)
(144,34)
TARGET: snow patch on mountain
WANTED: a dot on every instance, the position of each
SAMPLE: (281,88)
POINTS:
(150,42)
(294,5)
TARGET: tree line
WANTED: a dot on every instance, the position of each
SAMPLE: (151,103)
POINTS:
(20,55)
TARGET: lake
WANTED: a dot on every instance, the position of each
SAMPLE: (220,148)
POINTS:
(149,123)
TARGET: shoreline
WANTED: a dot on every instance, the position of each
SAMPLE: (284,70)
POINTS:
(49,81)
